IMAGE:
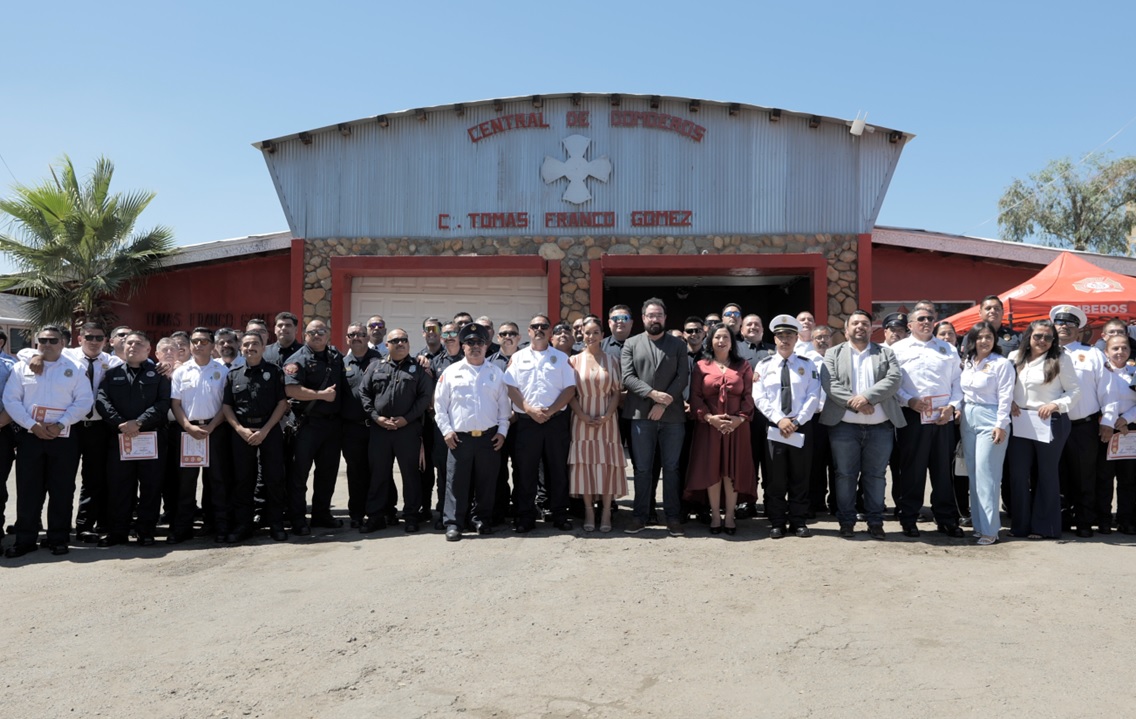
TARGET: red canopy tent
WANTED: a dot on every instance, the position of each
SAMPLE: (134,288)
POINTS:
(1071,280)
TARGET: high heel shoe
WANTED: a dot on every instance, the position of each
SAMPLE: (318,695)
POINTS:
(730,531)
(716,530)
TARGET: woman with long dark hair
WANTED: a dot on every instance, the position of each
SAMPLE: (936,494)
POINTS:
(988,395)
(1046,384)
(721,400)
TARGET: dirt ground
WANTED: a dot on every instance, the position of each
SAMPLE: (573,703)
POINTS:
(558,624)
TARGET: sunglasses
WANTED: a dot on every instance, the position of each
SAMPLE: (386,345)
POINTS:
(356,335)
(377,325)
(397,340)
(201,341)
(539,326)
(1042,338)
(692,330)
(925,318)
(432,328)
(731,314)
(474,342)
(316,333)
(507,333)
(620,318)
(121,334)
(449,335)
(48,340)
(1061,323)
(94,338)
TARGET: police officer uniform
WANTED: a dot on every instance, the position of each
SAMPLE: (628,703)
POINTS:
(277,355)
(45,468)
(201,391)
(94,437)
(318,436)
(141,394)
(541,377)
(471,401)
(394,389)
(1078,471)
(253,394)
(356,434)
(787,387)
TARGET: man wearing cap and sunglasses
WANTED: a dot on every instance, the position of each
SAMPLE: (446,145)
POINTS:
(471,407)
(1078,471)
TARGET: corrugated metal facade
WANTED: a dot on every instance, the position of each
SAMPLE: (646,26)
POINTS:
(746,174)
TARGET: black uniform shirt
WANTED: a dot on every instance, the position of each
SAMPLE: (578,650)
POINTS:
(353,371)
(318,371)
(275,354)
(396,389)
(141,394)
(1007,340)
(254,392)
(752,353)
(439,364)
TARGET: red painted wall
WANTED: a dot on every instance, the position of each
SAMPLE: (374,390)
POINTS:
(227,293)
(900,275)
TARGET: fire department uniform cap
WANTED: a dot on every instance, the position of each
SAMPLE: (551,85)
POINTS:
(1068,313)
(473,330)
(780,323)
(896,319)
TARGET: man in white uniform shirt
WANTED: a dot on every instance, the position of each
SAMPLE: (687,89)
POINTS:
(471,408)
(931,394)
(541,383)
(1119,416)
(44,406)
(1086,431)
(197,392)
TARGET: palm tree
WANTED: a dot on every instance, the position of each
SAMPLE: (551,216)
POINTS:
(75,246)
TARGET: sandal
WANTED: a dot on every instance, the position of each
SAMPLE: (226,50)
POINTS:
(987,541)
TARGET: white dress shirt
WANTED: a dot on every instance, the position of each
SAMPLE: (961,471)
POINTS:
(804,383)
(1031,391)
(469,398)
(199,388)
(61,385)
(540,376)
(99,364)
(929,368)
(1089,363)
(863,379)
(1121,397)
(990,381)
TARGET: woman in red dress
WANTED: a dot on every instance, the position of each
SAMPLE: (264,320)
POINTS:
(721,400)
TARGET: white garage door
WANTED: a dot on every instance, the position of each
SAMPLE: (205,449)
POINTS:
(406,301)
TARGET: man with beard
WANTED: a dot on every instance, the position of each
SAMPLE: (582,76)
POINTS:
(312,379)
(394,394)
(356,432)
(471,407)
(541,384)
(655,373)
(228,348)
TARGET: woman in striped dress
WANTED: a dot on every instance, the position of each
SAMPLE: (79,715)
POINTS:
(596,457)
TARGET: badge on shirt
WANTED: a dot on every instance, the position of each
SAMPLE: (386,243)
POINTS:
(104,366)
(801,371)
(267,375)
(943,350)
(216,375)
(412,368)
(552,359)
(291,369)
(150,373)
(67,372)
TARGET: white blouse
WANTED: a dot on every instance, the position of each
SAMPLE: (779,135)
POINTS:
(990,381)
(1031,391)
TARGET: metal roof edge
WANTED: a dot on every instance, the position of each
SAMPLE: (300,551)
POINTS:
(235,247)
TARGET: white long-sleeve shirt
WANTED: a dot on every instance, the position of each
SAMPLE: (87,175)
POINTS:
(1031,391)
(990,381)
(1089,363)
(929,369)
(61,385)
(804,384)
(469,398)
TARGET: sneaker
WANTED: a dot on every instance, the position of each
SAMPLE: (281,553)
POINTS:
(637,526)
(674,528)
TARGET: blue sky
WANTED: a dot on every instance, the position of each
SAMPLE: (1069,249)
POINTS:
(174,95)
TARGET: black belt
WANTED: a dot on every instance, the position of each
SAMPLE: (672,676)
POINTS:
(90,422)
(360,422)
(479,432)
(1085,420)
(200,422)
(252,422)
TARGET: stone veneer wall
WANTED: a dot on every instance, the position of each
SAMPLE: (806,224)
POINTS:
(575,253)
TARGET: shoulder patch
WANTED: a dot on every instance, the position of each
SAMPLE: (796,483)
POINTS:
(291,369)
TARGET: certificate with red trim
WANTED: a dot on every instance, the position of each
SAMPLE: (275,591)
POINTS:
(143,445)
(194,452)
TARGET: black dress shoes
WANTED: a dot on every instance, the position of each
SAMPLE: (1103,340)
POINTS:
(803,532)
(19,550)
(146,540)
(277,533)
(453,533)
(372,524)
(1084,533)
(87,537)
(523,527)
(912,532)
(111,540)
(1104,529)
(564,525)
(847,531)
(952,530)
(178,537)
(876,531)
(301,530)
(58,550)
(329,522)
(410,526)
(483,527)
(777,533)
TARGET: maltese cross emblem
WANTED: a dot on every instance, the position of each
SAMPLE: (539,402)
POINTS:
(576,169)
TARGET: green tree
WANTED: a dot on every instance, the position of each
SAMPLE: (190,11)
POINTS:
(1086,207)
(75,247)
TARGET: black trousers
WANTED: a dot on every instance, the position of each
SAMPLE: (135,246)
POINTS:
(503,495)
(758,445)
(318,443)
(45,470)
(215,473)
(786,480)
(265,461)
(387,446)
(136,481)
(925,448)
(7,459)
(542,445)
(94,439)
(471,468)
(822,478)
(1079,473)
(171,475)
(1121,474)
(356,443)
(440,458)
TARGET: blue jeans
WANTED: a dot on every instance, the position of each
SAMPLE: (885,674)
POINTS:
(860,452)
(646,436)
(984,461)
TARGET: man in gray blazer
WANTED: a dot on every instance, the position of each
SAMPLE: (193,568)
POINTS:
(655,373)
(860,379)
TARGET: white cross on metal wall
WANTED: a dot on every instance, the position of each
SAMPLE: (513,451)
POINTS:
(576,169)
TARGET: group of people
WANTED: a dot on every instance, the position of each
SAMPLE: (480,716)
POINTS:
(710,409)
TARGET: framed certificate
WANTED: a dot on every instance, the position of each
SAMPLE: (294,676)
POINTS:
(194,452)
(938,401)
(144,445)
(50,415)
(1122,446)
